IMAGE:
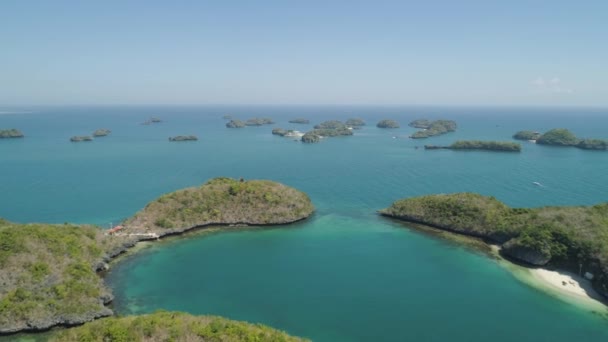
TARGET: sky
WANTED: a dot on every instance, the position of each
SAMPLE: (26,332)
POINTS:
(466,52)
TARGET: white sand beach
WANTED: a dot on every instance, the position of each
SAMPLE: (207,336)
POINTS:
(567,282)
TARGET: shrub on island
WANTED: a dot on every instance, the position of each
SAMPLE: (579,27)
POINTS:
(387,124)
(10,133)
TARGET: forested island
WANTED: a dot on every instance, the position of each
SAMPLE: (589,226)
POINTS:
(332,128)
(184,138)
(387,124)
(171,326)
(259,122)
(235,124)
(432,128)
(355,123)
(562,137)
(80,138)
(573,238)
(479,145)
(48,272)
(299,121)
(101,132)
(10,133)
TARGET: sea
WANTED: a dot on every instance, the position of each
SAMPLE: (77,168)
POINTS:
(344,274)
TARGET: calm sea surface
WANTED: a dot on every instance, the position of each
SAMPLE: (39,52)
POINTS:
(343,275)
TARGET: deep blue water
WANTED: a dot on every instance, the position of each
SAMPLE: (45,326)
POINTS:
(344,275)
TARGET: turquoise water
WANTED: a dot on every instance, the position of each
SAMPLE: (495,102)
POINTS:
(343,275)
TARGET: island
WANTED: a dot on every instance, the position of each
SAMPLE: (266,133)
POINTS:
(563,138)
(80,138)
(299,121)
(184,138)
(152,120)
(420,123)
(259,122)
(310,138)
(10,133)
(315,135)
(331,124)
(49,272)
(387,124)
(101,132)
(179,326)
(571,238)
(235,124)
(479,145)
(355,123)
(527,135)
(433,128)
(290,133)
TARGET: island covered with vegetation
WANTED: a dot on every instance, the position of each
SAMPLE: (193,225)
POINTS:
(573,238)
(10,133)
(331,128)
(80,138)
(286,132)
(527,135)
(259,122)
(355,123)
(499,146)
(387,124)
(299,121)
(48,273)
(235,124)
(432,128)
(562,137)
(171,326)
(184,138)
(101,132)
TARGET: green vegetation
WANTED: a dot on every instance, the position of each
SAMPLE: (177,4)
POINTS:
(222,201)
(332,128)
(171,326)
(279,131)
(434,128)
(10,133)
(47,275)
(387,124)
(299,121)
(420,123)
(259,122)
(81,138)
(101,132)
(564,236)
(355,123)
(526,135)
(558,137)
(184,138)
(593,144)
(235,124)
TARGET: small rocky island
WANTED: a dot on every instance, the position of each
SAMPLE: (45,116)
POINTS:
(235,124)
(184,138)
(101,133)
(81,138)
(259,122)
(355,123)
(179,326)
(432,128)
(289,133)
(152,120)
(48,272)
(299,121)
(332,128)
(387,124)
(479,145)
(10,133)
(572,238)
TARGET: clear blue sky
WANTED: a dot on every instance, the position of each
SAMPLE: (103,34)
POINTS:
(479,52)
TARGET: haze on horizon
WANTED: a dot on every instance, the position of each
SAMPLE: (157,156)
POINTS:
(474,52)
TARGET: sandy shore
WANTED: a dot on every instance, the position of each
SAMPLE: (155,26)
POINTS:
(566,282)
